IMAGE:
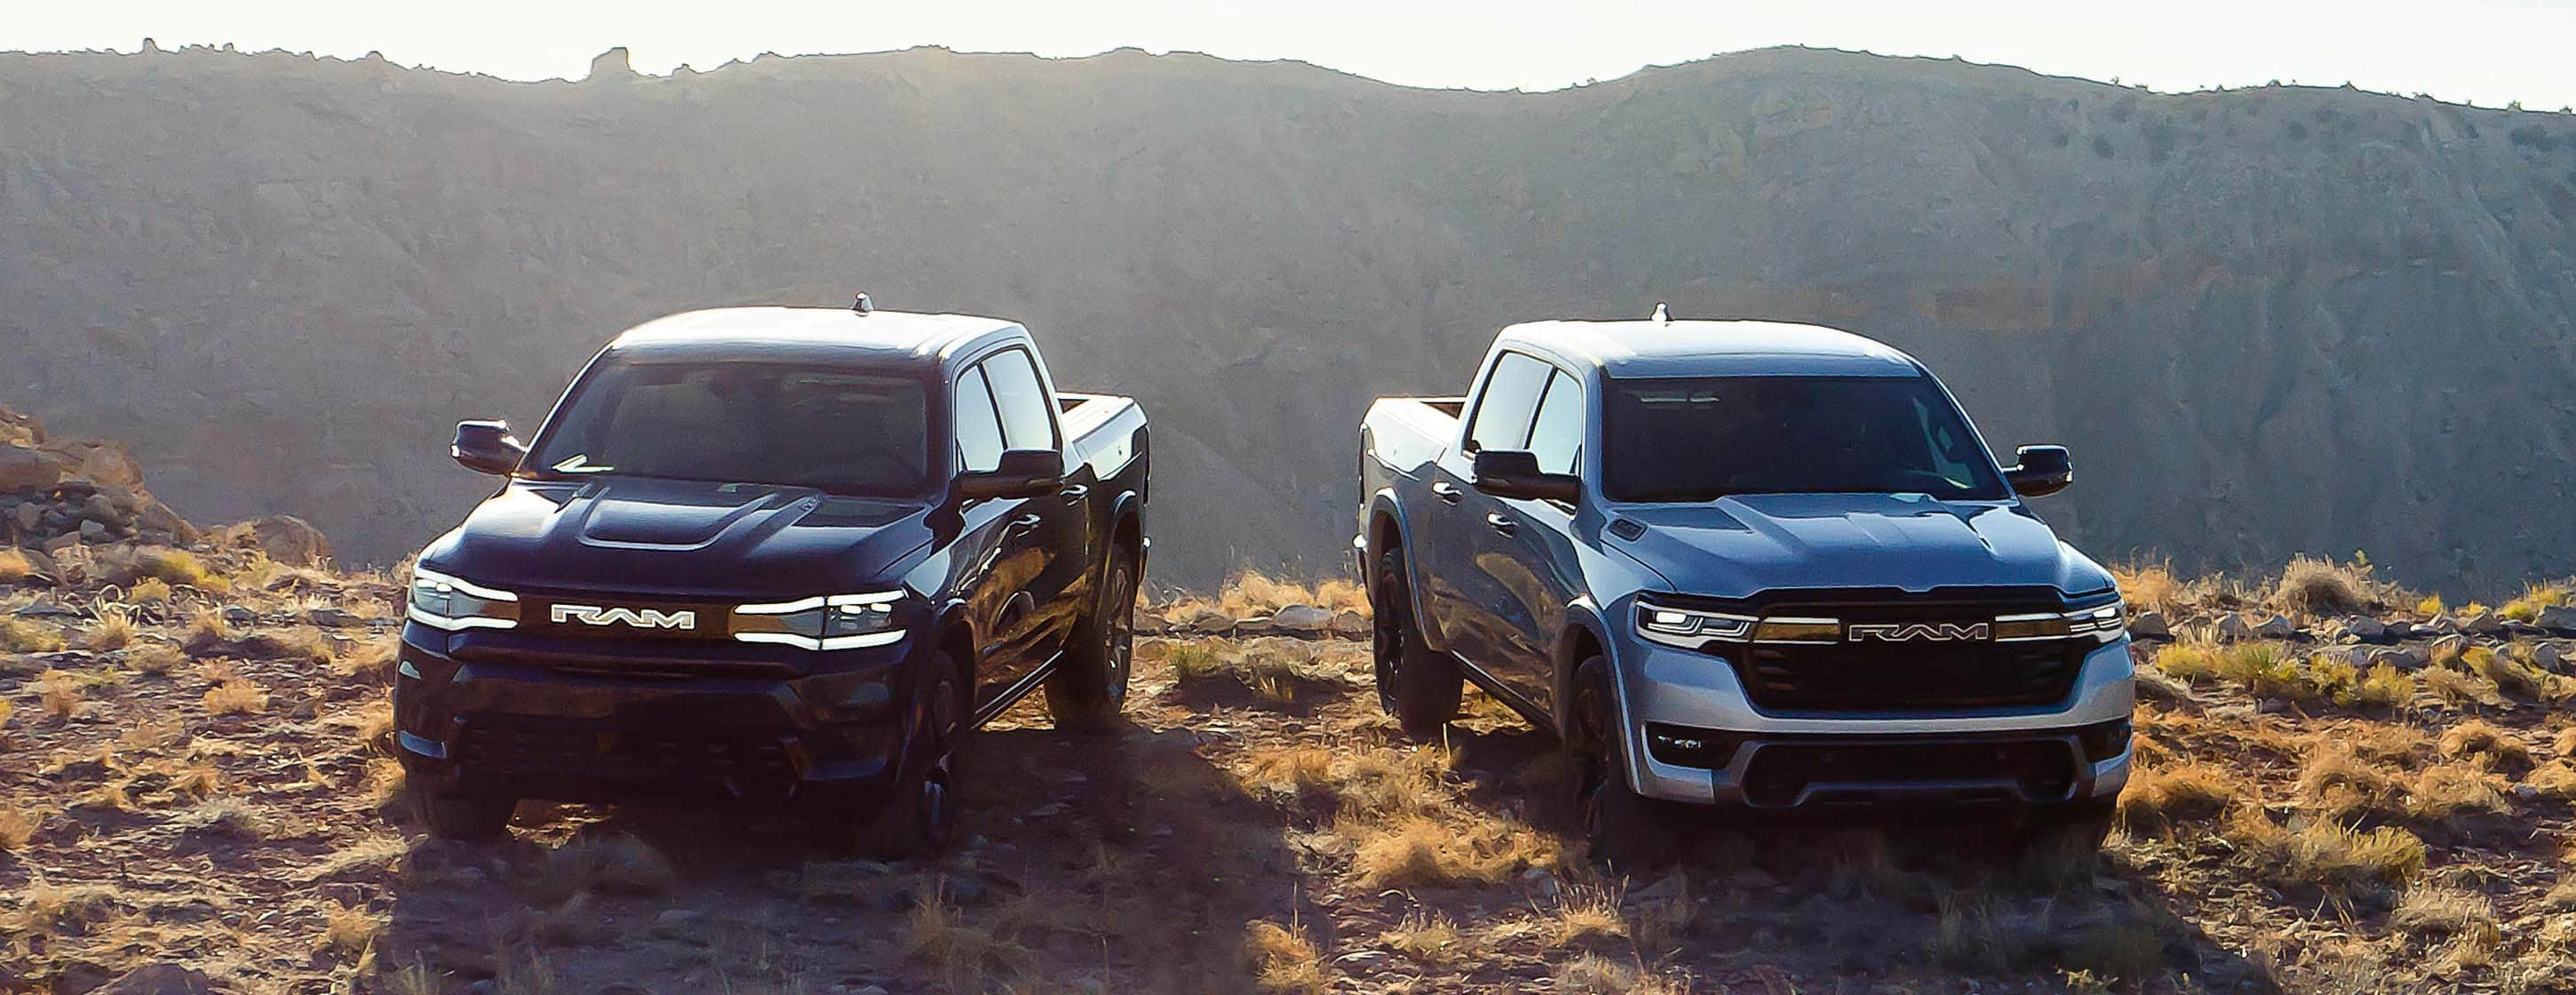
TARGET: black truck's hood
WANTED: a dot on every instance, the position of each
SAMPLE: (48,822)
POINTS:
(681,539)
(1741,546)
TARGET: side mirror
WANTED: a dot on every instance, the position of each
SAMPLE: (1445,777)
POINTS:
(2043,470)
(1515,474)
(1021,473)
(487,447)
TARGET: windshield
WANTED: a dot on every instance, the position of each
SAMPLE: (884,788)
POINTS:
(841,431)
(1703,438)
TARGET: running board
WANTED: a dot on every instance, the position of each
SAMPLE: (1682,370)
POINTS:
(1011,695)
(1529,710)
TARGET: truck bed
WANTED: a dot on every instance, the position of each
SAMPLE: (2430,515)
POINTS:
(1104,430)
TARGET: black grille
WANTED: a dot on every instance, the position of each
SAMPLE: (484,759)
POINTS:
(1910,676)
(2043,770)
(1913,675)
(602,753)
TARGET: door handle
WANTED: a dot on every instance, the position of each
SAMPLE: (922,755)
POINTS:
(1074,492)
(1446,493)
(1027,521)
(1502,523)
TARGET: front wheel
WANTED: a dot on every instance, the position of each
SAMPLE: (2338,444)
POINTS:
(462,816)
(1624,828)
(920,817)
(1089,687)
(1418,685)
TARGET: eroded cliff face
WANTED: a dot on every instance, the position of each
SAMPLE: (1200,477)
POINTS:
(2268,321)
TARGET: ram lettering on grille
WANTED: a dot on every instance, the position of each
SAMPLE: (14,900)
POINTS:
(1932,632)
(646,618)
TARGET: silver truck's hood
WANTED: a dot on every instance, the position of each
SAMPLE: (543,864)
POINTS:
(1741,546)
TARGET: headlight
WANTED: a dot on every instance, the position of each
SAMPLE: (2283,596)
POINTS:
(2104,622)
(836,622)
(443,602)
(1689,628)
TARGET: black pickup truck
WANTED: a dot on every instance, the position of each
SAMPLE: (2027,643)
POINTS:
(780,555)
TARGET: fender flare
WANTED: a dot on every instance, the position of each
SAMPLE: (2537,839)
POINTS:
(1384,503)
(1582,618)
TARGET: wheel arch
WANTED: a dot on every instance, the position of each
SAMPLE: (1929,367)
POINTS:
(1583,637)
(1388,529)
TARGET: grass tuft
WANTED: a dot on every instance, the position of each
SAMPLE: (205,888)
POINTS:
(26,635)
(2314,587)
(237,696)
(1283,959)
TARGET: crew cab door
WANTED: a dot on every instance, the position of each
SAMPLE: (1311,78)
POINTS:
(1009,543)
(1526,551)
(1059,590)
(1468,594)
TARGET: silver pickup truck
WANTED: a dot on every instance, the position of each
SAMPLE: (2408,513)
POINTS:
(1745,564)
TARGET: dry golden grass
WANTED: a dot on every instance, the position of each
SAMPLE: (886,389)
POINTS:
(2324,854)
(350,929)
(1283,959)
(150,591)
(2511,675)
(175,567)
(237,696)
(2535,599)
(18,825)
(63,693)
(2439,912)
(2313,587)
(2149,586)
(1431,938)
(966,955)
(2451,790)
(2162,799)
(1587,912)
(1590,974)
(206,629)
(155,658)
(1281,669)
(2432,605)
(2480,738)
(115,629)
(1372,784)
(1418,850)
(2460,688)
(14,566)
(236,817)
(26,635)
(2384,687)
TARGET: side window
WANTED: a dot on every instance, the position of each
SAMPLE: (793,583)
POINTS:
(1022,400)
(1503,411)
(979,434)
(1556,437)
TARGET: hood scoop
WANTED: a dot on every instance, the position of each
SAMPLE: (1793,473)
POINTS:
(641,515)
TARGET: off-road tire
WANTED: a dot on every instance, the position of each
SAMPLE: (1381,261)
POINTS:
(1624,829)
(920,816)
(1089,686)
(462,816)
(1417,685)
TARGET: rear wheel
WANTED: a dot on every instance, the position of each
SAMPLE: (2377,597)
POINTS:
(1417,685)
(920,817)
(462,815)
(1089,688)
(1624,828)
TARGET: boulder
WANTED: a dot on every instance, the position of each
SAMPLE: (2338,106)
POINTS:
(2552,656)
(1208,620)
(2277,627)
(26,469)
(2484,623)
(1302,619)
(285,538)
(2150,625)
(2406,658)
(2558,619)
(2450,645)
(2361,627)
(2233,627)
(1350,625)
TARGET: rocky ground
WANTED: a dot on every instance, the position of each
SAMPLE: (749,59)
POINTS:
(195,779)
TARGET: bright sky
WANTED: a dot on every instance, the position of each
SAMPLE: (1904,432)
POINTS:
(2483,51)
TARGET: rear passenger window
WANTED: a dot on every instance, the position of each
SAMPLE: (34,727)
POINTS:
(1503,410)
(1022,400)
(1556,438)
(979,433)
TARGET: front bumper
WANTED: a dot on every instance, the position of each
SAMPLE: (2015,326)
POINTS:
(534,717)
(2068,751)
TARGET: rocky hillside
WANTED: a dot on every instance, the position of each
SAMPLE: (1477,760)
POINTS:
(2269,321)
